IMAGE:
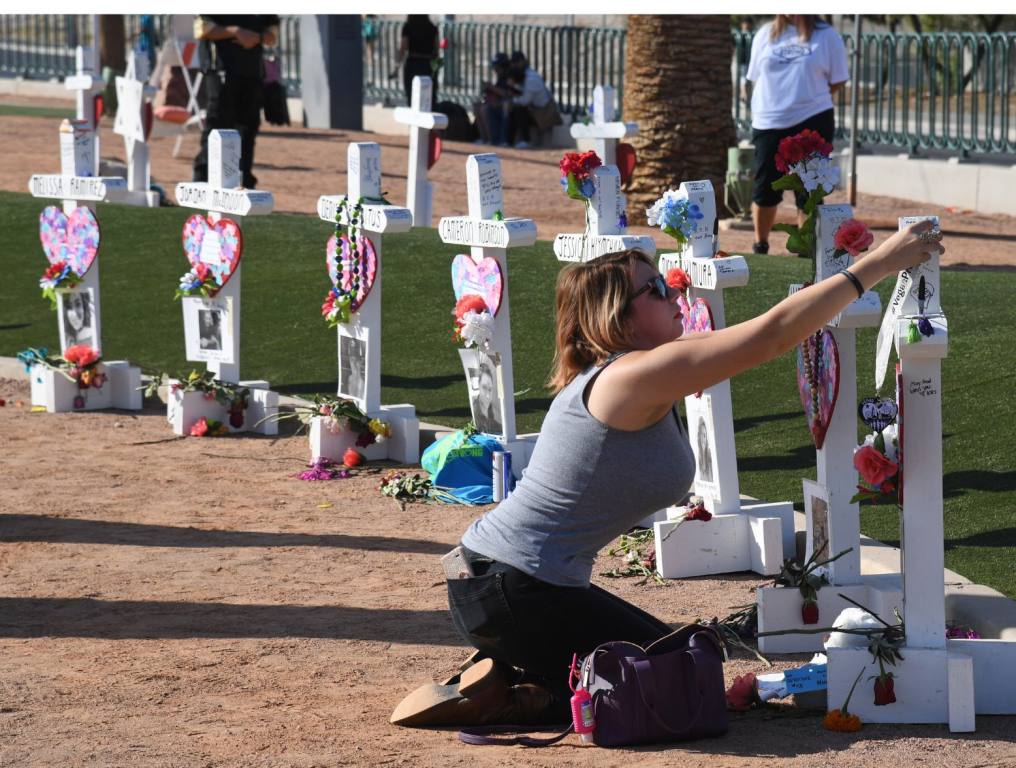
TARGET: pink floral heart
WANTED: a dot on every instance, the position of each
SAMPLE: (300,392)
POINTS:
(819,392)
(697,316)
(482,278)
(218,245)
(73,239)
(341,267)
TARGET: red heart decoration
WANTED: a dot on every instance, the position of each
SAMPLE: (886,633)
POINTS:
(340,260)
(826,357)
(146,119)
(626,161)
(100,105)
(433,150)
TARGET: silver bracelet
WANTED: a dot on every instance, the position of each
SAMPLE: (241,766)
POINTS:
(853,279)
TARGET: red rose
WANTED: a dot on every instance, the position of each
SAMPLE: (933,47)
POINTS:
(328,305)
(794,149)
(443,44)
(809,612)
(352,458)
(579,163)
(742,693)
(469,303)
(201,270)
(698,512)
(200,428)
(873,466)
(884,690)
(81,355)
(678,279)
(853,236)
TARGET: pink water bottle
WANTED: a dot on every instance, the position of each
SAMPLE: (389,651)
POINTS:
(581,707)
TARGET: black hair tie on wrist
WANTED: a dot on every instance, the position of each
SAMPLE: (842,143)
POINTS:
(853,279)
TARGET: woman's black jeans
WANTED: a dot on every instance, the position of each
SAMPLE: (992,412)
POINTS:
(527,623)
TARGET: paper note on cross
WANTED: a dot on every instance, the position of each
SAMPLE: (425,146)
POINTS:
(604,130)
(421,121)
(133,122)
(489,234)
(222,195)
(359,341)
(607,225)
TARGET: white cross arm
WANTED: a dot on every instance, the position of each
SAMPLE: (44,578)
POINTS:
(713,274)
(84,82)
(238,202)
(487,233)
(428,120)
(375,218)
(604,130)
(589,247)
(92,188)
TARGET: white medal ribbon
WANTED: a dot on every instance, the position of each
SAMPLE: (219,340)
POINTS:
(887,332)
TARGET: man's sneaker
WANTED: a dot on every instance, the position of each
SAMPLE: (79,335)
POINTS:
(760,248)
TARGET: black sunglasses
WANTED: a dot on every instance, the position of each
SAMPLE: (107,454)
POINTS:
(656,285)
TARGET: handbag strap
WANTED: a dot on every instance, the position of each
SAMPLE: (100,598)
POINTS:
(490,735)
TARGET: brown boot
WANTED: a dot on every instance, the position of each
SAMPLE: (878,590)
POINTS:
(495,703)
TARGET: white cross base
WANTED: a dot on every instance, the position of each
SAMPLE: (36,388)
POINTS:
(132,94)
(419,191)
(604,131)
(377,218)
(490,238)
(606,235)
(222,194)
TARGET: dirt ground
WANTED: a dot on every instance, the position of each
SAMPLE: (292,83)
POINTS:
(187,602)
(298,165)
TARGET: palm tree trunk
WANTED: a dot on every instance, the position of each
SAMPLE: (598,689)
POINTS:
(677,87)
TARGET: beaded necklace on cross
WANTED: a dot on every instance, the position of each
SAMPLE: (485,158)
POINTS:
(357,256)
(811,365)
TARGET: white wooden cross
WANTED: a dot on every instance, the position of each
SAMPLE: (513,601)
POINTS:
(743,535)
(86,84)
(489,234)
(607,230)
(76,186)
(364,329)
(604,130)
(223,194)
(421,121)
(935,681)
(779,608)
(133,96)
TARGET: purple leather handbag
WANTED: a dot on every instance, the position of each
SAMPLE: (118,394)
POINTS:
(671,690)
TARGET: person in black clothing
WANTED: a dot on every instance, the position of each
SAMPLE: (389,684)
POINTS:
(418,50)
(234,82)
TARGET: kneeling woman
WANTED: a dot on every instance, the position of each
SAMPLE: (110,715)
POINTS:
(611,451)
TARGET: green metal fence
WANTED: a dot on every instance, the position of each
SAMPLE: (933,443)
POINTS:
(945,91)
(572,60)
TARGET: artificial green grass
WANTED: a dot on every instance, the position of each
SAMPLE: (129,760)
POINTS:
(285,341)
(13,110)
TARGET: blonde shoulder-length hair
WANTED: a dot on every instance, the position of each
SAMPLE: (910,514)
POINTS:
(592,299)
(808,25)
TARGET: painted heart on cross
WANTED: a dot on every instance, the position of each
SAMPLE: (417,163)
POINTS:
(218,245)
(73,239)
(626,160)
(696,316)
(818,382)
(478,277)
(344,269)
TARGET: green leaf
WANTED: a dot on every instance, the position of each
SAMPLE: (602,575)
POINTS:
(790,181)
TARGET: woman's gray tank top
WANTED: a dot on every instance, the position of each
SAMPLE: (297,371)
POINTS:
(585,484)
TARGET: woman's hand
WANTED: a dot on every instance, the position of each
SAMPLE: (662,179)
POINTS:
(905,249)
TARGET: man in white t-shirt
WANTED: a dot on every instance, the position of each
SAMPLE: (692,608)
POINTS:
(797,64)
